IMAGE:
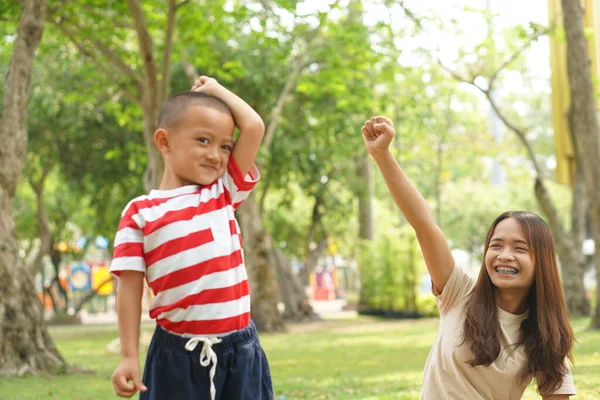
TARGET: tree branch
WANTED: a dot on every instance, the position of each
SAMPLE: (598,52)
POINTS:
(456,75)
(145,45)
(102,12)
(115,60)
(541,192)
(107,52)
(517,54)
(545,201)
(182,3)
(166,61)
(412,16)
(276,112)
(189,70)
(521,134)
(83,49)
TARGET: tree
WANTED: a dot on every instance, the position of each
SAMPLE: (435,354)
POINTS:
(568,242)
(488,62)
(88,27)
(583,119)
(25,345)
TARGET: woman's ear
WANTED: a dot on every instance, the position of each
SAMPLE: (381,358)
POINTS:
(161,140)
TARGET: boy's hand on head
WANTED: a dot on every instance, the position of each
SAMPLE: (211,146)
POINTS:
(378,133)
(206,84)
(128,370)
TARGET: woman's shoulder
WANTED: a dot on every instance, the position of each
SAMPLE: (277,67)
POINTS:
(456,291)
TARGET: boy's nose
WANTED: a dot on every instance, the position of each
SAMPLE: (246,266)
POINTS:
(213,155)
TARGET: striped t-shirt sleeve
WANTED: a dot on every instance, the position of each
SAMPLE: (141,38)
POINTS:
(238,186)
(128,252)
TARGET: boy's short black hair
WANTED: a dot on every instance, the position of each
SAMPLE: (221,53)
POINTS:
(180,102)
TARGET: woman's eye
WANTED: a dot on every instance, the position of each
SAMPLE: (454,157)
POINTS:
(227,147)
(521,249)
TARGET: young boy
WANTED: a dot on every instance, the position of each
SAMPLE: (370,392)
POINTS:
(185,241)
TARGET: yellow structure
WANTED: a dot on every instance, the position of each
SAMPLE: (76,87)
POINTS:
(565,160)
(99,276)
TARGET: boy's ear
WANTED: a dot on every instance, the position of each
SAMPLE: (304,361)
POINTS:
(161,140)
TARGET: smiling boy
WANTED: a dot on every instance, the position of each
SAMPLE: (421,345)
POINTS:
(185,241)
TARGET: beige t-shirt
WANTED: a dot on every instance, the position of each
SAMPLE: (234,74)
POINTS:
(447,374)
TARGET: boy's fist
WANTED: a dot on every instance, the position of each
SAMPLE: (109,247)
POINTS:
(128,370)
(378,133)
(205,84)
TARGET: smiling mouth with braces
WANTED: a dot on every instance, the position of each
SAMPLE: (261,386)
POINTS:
(506,271)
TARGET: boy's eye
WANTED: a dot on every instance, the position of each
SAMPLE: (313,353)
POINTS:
(203,140)
(227,147)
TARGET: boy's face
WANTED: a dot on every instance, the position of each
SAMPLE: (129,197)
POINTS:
(200,145)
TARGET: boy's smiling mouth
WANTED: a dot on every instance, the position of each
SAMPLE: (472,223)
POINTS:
(209,167)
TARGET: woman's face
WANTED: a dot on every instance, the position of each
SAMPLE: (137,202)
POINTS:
(509,259)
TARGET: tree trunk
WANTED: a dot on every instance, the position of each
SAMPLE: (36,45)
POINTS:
(575,293)
(366,190)
(293,295)
(568,246)
(260,266)
(568,243)
(584,121)
(43,224)
(313,254)
(311,260)
(155,167)
(56,258)
(25,345)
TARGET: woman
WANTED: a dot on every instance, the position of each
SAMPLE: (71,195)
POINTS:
(497,333)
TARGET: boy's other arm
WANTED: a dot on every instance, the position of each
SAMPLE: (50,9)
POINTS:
(129,309)
(250,124)
(435,249)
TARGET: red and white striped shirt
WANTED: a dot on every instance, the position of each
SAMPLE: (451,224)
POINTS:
(188,243)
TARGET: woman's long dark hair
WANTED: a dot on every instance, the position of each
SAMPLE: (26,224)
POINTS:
(546,335)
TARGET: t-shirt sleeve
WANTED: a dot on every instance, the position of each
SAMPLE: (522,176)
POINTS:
(128,254)
(568,386)
(457,288)
(239,187)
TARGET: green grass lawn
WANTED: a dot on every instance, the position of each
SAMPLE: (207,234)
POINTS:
(364,359)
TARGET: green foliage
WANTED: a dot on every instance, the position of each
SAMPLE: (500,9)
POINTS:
(427,306)
(390,271)
(86,128)
(82,130)
(64,207)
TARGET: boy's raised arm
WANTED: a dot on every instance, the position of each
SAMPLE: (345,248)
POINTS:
(377,134)
(250,124)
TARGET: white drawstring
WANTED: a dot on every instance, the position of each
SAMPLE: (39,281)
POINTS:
(207,355)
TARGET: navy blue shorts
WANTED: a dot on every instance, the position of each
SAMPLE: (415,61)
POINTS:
(172,372)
